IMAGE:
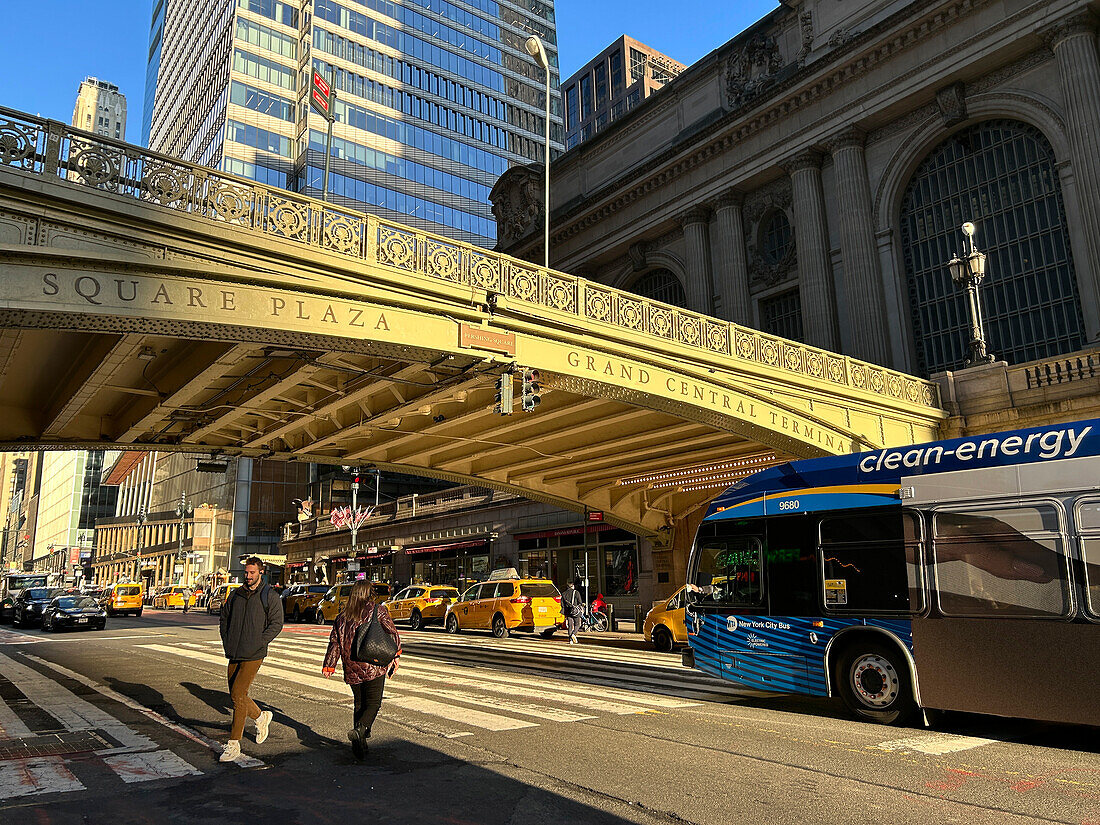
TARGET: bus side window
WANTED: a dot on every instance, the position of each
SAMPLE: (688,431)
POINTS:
(792,566)
(1088,525)
(735,567)
(1001,562)
(869,562)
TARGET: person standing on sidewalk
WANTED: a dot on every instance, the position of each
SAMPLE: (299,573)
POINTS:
(186,599)
(251,618)
(366,680)
(571,608)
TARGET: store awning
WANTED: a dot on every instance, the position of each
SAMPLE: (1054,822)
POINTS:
(565,531)
(435,548)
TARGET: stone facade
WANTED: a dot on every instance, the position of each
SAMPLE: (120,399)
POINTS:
(819,116)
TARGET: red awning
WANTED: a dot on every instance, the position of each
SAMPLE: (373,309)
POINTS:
(565,531)
(412,551)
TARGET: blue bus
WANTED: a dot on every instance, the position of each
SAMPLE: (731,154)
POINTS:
(958,575)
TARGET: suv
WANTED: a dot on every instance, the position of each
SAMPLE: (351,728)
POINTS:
(31,603)
(333,602)
(301,604)
(123,598)
(422,604)
(505,604)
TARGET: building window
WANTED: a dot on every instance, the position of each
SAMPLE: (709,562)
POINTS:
(1001,175)
(775,237)
(637,65)
(782,315)
(571,106)
(661,285)
(586,96)
(600,73)
(617,87)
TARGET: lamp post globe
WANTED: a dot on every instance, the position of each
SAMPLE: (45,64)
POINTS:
(534,47)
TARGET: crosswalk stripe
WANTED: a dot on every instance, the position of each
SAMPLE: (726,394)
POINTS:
(29,777)
(278,669)
(70,710)
(538,711)
(194,736)
(145,767)
(10,723)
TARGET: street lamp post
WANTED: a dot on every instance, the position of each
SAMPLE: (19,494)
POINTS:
(183,509)
(967,273)
(537,50)
(354,517)
(141,516)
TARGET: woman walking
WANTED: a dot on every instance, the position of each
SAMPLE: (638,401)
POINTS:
(366,680)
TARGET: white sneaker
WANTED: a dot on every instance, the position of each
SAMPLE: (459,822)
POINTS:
(232,751)
(263,724)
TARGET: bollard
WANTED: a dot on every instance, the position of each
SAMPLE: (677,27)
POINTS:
(638,618)
(610,611)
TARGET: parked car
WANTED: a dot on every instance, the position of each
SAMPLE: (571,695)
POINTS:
(30,604)
(124,597)
(664,625)
(74,612)
(334,600)
(302,604)
(422,604)
(506,604)
(218,597)
(170,598)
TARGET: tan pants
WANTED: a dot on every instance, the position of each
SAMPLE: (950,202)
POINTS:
(240,676)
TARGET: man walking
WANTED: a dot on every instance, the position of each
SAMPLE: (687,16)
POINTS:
(186,598)
(251,618)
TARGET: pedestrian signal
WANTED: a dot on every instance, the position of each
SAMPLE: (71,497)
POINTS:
(529,394)
(505,400)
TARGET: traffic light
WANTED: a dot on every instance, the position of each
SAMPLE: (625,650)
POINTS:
(505,400)
(529,392)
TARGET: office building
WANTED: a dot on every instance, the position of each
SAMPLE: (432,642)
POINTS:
(611,84)
(435,99)
(100,108)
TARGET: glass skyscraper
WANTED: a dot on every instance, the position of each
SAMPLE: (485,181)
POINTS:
(435,99)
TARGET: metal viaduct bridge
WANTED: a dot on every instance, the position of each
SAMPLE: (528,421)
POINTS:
(150,303)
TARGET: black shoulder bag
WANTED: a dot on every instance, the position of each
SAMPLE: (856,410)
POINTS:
(373,644)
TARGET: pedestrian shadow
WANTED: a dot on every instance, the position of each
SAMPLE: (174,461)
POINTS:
(216,700)
(152,699)
(219,702)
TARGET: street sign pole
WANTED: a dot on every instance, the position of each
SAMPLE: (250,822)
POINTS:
(322,97)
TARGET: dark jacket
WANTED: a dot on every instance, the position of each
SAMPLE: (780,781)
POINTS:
(247,627)
(339,647)
(571,603)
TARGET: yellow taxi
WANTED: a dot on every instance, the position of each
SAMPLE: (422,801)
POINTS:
(422,604)
(333,602)
(172,597)
(664,624)
(218,597)
(123,598)
(299,606)
(505,603)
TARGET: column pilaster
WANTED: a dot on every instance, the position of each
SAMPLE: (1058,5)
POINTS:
(731,271)
(699,286)
(868,336)
(815,274)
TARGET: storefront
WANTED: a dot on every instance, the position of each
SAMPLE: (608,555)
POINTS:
(611,560)
(459,564)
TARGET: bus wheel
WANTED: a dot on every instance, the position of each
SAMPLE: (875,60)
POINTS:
(873,681)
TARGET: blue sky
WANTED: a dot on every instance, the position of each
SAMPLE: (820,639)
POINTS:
(56,43)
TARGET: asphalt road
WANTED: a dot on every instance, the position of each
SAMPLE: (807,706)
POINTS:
(479,730)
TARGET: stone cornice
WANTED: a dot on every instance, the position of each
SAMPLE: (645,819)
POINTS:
(1083,23)
(661,170)
(697,214)
(806,159)
(732,198)
(851,137)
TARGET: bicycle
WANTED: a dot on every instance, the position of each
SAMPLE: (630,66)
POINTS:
(593,620)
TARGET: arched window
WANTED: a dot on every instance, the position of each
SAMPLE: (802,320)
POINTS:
(1001,175)
(661,285)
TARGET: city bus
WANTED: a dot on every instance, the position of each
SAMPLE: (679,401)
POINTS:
(11,584)
(955,575)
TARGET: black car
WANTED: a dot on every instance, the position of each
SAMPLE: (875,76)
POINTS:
(74,612)
(31,603)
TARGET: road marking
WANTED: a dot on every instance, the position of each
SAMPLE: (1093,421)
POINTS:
(936,744)
(182,730)
(465,716)
(10,723)
(538,711)
(28,777)
(145,767)
(74,713)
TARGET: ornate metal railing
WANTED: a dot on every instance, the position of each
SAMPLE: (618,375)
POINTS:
(50,148)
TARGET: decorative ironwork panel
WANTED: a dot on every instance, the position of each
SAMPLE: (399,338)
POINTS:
(718,337)
(19,144)
(769,351)
(444,261)
(167,184)
(523,283)
(287,218)
(631,313)
(859,376)
(835,369)
(397,247)
(815,364)
(485,271)
(559,293)
(877,381)
(599,304)
(660,321)
(792,357)
(689,330)
(745,345)
(94,164)
(230,202)
(343,233)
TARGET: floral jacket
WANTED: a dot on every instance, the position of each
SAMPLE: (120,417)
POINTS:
(342,638)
